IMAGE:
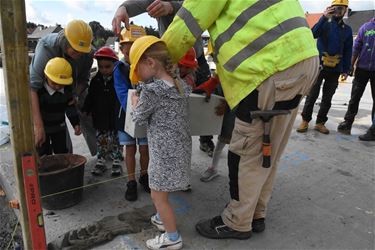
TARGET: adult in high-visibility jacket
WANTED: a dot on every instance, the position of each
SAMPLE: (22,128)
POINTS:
(266,60)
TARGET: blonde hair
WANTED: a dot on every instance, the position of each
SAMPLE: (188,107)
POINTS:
(159,52)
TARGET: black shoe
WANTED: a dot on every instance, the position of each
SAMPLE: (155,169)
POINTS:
(369,136)
(216,229)
(143,180)
(345,127)
(258,225)
(131,191)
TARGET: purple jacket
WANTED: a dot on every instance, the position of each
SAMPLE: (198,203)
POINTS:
(364,46)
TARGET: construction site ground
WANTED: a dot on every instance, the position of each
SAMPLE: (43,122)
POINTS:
(323,195)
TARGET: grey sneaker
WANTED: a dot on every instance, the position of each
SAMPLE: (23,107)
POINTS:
(99,168)
(116,168)
(208,175)
(157,223)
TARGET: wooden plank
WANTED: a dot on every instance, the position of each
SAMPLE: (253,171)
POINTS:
(15,65)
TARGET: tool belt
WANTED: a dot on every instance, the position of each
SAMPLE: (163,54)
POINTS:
(330,61)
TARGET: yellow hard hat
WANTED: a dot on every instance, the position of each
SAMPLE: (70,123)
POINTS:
(59,71)
(79,35)
(340,2)
(136,51)
(132,34)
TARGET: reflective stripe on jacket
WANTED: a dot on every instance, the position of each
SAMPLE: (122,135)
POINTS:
(252,39)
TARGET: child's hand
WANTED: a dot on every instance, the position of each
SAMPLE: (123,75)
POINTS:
(135,99)
(77,130)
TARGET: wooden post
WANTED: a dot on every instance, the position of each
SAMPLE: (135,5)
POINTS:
(15,64)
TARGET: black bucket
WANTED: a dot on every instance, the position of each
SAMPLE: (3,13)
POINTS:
(58,173)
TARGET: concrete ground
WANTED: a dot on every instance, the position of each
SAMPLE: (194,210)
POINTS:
(323,196)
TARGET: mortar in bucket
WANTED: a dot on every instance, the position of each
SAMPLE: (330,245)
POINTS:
(59,173)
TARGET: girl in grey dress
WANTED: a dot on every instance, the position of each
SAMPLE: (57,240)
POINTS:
(163,107)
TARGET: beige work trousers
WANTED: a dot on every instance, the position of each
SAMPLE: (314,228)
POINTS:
(254,181)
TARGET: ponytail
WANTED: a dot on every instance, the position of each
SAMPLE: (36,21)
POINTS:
(172,70)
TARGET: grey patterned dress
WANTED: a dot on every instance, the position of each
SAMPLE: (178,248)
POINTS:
(165,112)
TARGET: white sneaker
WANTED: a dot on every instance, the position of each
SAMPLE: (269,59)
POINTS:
(162,242)
(157,223)
(208,175)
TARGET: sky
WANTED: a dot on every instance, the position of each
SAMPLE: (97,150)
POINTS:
(50,12)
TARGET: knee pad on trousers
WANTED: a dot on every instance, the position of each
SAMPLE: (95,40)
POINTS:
(233,163)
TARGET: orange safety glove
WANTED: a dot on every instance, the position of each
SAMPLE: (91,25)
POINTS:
(207,87)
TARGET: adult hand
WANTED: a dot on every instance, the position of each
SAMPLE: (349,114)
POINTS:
(39,135)
(121,15)
(329,11)
(77,130)
(160,8)
(221,108)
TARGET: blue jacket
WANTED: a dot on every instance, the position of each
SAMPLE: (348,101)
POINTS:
(122,85)
(335,38)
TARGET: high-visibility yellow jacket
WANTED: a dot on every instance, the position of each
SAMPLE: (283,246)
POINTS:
(252,39)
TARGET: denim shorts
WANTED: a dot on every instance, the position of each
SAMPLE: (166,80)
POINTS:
(125,139)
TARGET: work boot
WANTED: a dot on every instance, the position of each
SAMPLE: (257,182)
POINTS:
(345,127)
(369,136)
(131,191)
(208,147)
(143,180)
(258,225)
(99,168)
(321,128)
(116,168)
(216,229)
(303,127)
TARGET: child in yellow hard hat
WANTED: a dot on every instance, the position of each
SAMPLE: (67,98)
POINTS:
(163,107)
(74,44)
(56,100)
(122,85)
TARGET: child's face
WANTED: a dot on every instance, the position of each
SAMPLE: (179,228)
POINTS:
(54,85)
(146,69)
(125,48)
(105,67)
